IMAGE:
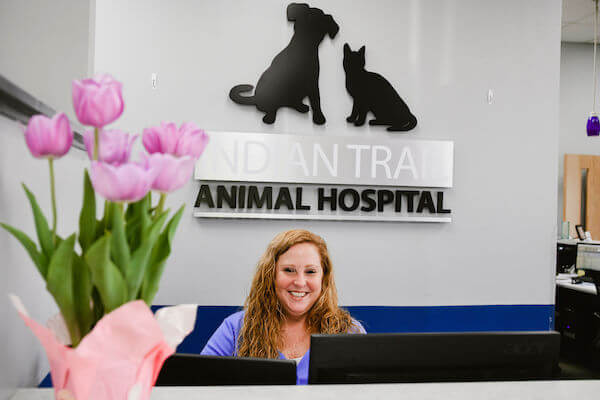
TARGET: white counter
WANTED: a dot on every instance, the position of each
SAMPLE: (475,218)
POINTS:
(583,287)
(542,390)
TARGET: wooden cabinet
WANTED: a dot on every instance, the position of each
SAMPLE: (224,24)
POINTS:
(581,193)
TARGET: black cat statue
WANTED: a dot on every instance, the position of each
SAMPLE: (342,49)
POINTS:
(372,92)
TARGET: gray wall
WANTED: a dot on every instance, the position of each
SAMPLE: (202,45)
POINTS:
(22,360)
(576,96)
(442,57)
(45,45)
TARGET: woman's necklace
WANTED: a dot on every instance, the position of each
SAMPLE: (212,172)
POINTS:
(296,345)
(298,349)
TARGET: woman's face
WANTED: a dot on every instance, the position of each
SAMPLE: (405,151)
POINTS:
(298,279)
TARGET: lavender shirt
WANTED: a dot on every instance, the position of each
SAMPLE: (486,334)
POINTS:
(225,339)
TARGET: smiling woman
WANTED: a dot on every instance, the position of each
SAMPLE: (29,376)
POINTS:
(293,295)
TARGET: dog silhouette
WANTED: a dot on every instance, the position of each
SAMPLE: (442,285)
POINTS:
(294,72)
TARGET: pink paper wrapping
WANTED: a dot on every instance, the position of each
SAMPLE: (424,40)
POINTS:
(118,360)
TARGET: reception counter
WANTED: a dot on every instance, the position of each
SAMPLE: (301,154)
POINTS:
(547,390)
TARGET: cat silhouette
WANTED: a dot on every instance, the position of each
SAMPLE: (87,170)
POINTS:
(372,92)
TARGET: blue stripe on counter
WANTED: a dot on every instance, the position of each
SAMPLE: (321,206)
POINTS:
(378,319)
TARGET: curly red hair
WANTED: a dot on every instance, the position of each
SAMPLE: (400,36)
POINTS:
(260,335)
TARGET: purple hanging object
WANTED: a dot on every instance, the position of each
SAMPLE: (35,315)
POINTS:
(593,125)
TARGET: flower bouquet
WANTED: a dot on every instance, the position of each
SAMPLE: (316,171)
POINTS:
(104,277)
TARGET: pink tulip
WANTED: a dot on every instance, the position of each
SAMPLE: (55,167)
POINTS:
(128,182)
(97,101)
(173,172)
(49,137)
(188,140)
(115,146)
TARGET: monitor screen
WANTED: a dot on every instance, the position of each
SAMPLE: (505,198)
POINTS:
(433,357)
(197,370)
(588,256)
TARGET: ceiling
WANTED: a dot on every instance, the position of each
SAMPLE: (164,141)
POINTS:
(578,21)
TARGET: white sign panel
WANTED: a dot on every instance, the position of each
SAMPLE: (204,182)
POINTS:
(341,160)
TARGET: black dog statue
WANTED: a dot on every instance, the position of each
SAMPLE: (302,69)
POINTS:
(294,72)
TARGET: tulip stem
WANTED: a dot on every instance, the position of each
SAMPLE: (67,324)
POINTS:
(161,203)
(106,217)
(53,196)
(96,144)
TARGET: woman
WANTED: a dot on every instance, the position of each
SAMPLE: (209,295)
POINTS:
(293,295)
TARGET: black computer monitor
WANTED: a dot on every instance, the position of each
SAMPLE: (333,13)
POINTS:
(197,370)
(588,259)
(433,357)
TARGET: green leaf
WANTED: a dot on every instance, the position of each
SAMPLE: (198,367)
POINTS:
(103,225)
(41,225)
(97,306)
(158,259)
(59,283)
(39,259)
(87,216)
(105,275)
(133,231)
(119,248)
(140,257)
(82,295)
(145,213)
(131,211)
(107,218)
(138,221)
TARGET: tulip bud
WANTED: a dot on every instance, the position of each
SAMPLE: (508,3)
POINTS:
(188,140)
(125,183)
(49,137)
(173,172)
(97,101)
(115,146)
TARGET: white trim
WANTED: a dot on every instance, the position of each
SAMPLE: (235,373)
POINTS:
(380,218)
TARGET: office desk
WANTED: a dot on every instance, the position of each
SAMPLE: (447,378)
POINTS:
(583,287)
(578,320)
(547,390)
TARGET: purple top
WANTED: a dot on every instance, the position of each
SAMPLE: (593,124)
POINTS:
(225,339)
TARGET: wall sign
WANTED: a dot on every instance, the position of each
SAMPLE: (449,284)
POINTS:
(323,202)
(316,177)
(294,75)
(248,175)
(342,160)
